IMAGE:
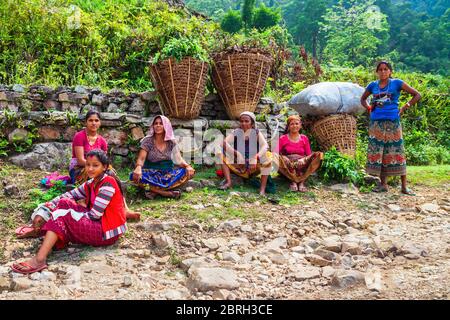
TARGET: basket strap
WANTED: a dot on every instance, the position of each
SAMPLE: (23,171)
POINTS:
(159,82)
(198,86)
(232,82)
(187,87)
(173,87)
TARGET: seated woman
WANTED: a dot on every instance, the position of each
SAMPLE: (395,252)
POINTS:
(83,142)
(295,159)
(101,223)
(245,153)
(155,170)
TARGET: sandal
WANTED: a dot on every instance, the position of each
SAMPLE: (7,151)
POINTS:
(26,268)
(408,192)
(380,189)
(293,187)
(176,194)
(27,232)
(150,195)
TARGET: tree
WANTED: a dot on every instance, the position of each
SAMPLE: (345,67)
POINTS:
(231,22)
(247,13)
(354,32)
(265,17)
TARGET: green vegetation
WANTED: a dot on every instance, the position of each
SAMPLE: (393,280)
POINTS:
(339,167)
(432,176)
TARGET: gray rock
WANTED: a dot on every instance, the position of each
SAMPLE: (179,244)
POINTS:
(189,189)
(197,262)
(394,207)
(317,260)
(99,99)
(127,281)
(80,89)
(346,188)
(18,88)
(304,273)
(280,242)
(326,254)
(332,244)
(373,281)
(211,279)
(191,183)
(328,271)
(172,294)
(343,279)
(11,190)
(45,156)
(221,294)
(4,283)
(230,224)
(214,243)
(137,106)
(429,207)
(277,256)
(412,251)
(21,284)
(73,276)
(352,248)
(162,241)
(18,135)
(231,256)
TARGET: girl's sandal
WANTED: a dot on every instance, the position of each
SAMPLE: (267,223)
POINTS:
(408,192)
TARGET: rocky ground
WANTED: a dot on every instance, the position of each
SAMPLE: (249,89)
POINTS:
(329,244)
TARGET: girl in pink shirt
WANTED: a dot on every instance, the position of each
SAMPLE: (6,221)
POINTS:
(295,159)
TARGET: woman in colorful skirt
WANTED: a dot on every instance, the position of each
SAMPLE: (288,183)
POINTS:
(160,168)
(245,153)
(295,159)
(101,223)
(386,154)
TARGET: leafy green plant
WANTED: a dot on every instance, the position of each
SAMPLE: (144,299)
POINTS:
(339,167)
(180,48)
(39,196)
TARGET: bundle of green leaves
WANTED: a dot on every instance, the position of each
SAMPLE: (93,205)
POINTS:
(339,167)
(180,48)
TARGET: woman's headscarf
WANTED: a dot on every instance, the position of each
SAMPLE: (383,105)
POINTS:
(169,135)
(250,114)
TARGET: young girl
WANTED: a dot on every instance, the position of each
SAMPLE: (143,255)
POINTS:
(100,224)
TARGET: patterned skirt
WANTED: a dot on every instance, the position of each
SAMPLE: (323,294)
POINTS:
(263,166)
(386,153)
(72,226)
(162,176)
(300,169)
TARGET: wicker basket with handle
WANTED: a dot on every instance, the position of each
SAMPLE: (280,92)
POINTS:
(240,79)
(337,130)
(180,86)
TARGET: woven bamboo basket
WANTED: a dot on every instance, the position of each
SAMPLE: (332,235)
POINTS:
(180,86)
(336,130)
(240,79)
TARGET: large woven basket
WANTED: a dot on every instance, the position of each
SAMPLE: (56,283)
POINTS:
(180,86)
(240,79)
(336,130)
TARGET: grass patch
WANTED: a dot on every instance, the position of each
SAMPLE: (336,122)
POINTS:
(431,176)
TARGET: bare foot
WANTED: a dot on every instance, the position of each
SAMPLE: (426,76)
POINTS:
(293,187)
(302,187)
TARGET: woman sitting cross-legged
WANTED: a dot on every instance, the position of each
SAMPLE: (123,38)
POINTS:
(295,159)
(100,224)
(245,153)
(155,168)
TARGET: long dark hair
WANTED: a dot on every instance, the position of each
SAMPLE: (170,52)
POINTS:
(104,160)
(92,112)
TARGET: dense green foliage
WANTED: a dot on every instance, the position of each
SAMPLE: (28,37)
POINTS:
(411,33)
(95,43)
(232,22)
(340,168)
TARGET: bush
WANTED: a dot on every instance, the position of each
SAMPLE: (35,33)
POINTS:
(340,168)
(232,22)
(264,17)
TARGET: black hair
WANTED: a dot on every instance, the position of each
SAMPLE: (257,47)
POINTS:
(92,112)
(104,160)
(388,64)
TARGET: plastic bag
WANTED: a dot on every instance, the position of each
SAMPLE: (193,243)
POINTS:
(329,98)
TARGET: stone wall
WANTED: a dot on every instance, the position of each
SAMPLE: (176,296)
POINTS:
(55,115)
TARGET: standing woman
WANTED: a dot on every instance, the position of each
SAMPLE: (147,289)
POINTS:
(296,161)
(155,171)
(386,154)
(245,153)
(101,223)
